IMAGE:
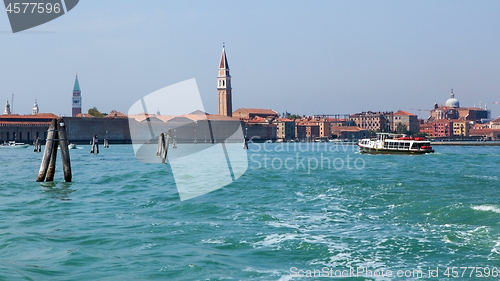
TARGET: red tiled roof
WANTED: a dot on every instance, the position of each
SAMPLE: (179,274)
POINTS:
(496,120)
(116,114)
(329,119)
(214,117)
(284,120)
(347,128)
(402,112)
(257,120)
(35,116)
(481,131)
(255,111)
(86,115)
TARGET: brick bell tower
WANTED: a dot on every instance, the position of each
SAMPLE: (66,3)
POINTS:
(77,99)
(224,86)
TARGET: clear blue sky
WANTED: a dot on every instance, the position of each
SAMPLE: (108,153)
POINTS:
(309,57)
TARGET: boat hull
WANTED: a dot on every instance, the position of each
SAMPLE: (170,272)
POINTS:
(393,151)
(15,146)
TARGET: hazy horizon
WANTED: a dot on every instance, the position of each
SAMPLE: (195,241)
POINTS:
(315,57)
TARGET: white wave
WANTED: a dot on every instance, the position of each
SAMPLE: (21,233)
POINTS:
(212,241)
(487,208)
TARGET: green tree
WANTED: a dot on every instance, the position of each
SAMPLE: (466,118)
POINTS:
(294,116)
(95,112)
(401,129)
(421,134)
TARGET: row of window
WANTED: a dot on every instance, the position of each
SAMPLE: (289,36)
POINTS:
(21,137)
(399,145)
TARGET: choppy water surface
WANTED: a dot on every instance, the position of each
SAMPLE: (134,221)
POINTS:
(122,219)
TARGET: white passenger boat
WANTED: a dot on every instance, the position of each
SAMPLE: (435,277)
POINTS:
(387,143)
(13,144)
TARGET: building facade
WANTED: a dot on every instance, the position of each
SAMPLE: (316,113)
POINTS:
(461,128)
(405,118)
(25,128)
(285,129)
(375,121)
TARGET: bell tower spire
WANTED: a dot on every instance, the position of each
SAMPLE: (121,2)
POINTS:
(224,86)
(77,98)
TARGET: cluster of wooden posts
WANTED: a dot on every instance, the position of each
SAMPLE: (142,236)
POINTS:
(56,136)
(163,143)
(95,145)
(37,145)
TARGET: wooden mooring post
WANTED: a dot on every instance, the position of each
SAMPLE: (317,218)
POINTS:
(63,141)
(95,145)
(56,136)
(53,157)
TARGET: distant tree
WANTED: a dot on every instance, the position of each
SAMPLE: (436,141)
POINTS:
(294,116)
(95,112)
(420,134)
(401,129)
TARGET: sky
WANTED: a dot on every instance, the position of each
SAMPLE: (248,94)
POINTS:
(307,57)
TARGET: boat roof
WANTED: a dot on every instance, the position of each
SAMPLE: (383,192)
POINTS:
(390,134)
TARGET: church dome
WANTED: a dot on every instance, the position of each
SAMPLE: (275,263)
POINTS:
(452,101)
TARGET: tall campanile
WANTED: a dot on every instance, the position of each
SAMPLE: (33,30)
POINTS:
(77,99)
(224,86)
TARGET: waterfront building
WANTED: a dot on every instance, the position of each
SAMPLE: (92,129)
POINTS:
(337,121)
(452,110)
(405,118)
(349,132)
(495,124)
(427,129)
(461,128)
(77,99)
(485,134)
(224,86)
(375,121)
(249,113)
(307,129)
(285,129)
(260,129)
(324,129)
(442,128)
(25,128)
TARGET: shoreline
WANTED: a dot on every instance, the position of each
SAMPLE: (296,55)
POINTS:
(467,143)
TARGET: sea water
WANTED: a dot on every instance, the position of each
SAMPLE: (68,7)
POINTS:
(298,212)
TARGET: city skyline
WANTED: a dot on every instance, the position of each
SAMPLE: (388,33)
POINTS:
(307,58)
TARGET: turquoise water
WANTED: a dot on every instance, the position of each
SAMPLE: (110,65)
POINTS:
(121,219)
